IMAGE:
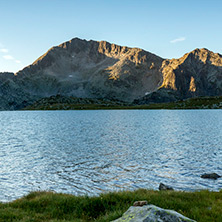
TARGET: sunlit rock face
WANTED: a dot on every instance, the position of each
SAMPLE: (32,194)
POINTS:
(91,69)
(198,73)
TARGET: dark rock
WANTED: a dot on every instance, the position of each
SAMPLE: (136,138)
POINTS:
(140,203)
(212,176)
(164,187)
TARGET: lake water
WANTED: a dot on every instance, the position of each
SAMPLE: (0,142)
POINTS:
(89,152)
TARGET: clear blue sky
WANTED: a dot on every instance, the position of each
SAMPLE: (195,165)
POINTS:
(168,28)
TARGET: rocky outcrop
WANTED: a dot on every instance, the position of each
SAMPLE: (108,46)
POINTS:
(164,187)
(198,73)
(212,176)
(140,203)
(91,69)
(151,213)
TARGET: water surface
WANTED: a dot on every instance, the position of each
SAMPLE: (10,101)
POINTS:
(89,152)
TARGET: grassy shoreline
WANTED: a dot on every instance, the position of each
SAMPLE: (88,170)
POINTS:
(72,103)
(203,206)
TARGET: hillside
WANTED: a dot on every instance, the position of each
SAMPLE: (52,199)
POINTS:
(72,103)
(59,102)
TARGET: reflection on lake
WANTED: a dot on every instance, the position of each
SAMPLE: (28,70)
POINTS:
(89,152)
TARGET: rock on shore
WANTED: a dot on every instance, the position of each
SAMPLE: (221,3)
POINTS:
(152,213)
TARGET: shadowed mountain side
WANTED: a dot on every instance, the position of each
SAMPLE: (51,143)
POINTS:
(11,95)
(6,75)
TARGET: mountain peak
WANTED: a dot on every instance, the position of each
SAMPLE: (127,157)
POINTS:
(198,51)
(202,55)
(98,69)
(202,51)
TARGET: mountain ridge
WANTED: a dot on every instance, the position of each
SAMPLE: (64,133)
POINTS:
(99,69)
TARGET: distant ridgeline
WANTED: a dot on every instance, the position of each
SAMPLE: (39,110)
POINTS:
(108,73)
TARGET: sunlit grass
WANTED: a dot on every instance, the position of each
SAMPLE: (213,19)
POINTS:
(48,206)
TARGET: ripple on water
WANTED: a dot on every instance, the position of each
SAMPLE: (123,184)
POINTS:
(89,152)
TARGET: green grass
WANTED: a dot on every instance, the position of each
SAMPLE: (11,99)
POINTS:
(203,206)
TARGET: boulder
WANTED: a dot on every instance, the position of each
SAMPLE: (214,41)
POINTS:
(212,176)
(140,203)
(152,213)
(164,187)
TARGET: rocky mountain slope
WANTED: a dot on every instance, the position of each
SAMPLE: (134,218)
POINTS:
(198,73)
(91,69)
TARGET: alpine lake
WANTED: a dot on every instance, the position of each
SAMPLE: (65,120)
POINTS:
(95,151)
